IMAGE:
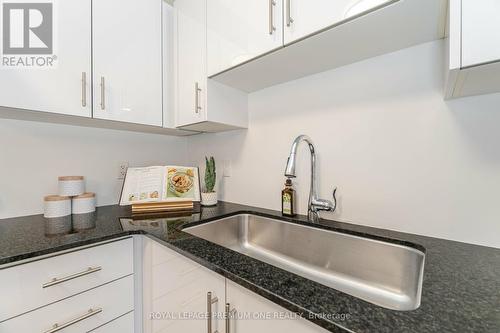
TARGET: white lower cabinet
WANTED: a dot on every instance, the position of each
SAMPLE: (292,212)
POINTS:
(76,291)
(123,324)
(180,289)
(80,313)
(36,284)
(165,293)
(250,313)
(179,295)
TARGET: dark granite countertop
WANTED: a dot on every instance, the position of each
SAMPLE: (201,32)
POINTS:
(461,286)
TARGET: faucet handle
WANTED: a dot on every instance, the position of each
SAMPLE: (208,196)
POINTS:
(334,195)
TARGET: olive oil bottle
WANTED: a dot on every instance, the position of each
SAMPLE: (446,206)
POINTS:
(288,199)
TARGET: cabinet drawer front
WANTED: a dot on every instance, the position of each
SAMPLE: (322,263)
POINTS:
(32,285)
(113,299)
(124,324)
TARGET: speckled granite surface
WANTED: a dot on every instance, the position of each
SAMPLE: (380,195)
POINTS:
(461,287)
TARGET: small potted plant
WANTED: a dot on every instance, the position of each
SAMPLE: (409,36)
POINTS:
(208,195)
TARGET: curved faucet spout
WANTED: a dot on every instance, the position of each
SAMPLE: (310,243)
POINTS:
(315,204)
(292,159)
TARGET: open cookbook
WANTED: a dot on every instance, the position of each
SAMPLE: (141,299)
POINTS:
(160,184)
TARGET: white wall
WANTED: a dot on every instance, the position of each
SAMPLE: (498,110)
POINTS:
(401,156)
(33,155)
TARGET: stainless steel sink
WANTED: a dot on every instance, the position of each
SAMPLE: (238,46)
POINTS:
(383,273)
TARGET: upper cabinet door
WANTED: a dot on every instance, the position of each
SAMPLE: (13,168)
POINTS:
(63,87)
(190,60)
(127,55)
(480,28)
(305,17)
(239,30)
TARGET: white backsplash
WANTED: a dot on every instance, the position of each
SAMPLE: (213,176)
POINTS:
(33,155)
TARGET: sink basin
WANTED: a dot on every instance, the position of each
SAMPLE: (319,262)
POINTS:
(383,273)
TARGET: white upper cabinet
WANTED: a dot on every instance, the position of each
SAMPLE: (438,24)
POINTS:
(58,89)
(305,17)
(190,61)
(474,48)
(127,53)
(168,65)
(480,32)
(201,104)
(239,30)
(324,34)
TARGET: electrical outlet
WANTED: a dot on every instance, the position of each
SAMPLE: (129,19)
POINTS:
(122,171)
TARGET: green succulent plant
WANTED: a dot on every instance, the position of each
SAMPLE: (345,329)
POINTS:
(210,174)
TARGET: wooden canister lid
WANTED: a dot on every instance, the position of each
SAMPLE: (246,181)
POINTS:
(85,195)
(56,198)
(66,178)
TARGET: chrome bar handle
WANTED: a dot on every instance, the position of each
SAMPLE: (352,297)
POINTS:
(210,301)
(289,19)
(103,94)
(229,315)
(58,327)
(272,28)
(84,89)
(56,281)
(197,90)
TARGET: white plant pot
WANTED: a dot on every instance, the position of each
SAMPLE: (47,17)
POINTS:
(209,199)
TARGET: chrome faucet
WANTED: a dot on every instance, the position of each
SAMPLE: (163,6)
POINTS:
(315,204)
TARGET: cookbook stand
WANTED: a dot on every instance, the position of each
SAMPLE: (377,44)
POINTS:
(156,207)
(140,190)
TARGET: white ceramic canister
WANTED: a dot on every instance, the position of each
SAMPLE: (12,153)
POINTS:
(56,206)
(84,203)
(84,221)
(58,225)
(70,186)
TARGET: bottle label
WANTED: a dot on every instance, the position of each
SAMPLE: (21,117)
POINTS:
(287,204)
